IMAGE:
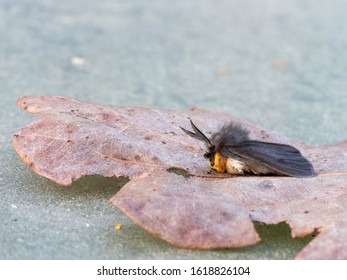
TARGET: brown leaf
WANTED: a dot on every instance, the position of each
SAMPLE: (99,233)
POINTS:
(305,204)
(186,214)
(72,138)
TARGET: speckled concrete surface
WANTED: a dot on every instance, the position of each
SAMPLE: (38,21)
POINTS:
(280,65)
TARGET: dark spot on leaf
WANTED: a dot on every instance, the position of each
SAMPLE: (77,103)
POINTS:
(136,207)
(105,116)
(70,129)
(137,157)
(264,134)
(155,159)
(224,214)
(266,184)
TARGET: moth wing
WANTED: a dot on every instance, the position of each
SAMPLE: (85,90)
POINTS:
(283,159)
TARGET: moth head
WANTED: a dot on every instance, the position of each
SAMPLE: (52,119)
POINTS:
(210,153)
(211,156)
(216,161)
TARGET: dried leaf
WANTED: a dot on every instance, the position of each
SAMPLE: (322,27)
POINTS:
(185,214)
(305,204)
(71,139)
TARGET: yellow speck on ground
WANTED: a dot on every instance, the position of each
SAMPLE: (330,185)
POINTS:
(118,226)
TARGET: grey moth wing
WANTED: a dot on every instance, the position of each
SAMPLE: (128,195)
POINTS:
(283,159)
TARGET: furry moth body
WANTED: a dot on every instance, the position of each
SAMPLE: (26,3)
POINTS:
(230,150)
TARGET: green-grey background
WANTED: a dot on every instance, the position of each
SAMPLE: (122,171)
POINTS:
(279,64)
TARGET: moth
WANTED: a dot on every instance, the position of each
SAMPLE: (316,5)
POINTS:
(231,150)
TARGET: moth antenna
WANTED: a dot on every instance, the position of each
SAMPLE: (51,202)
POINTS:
(197,135)
(198,132)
